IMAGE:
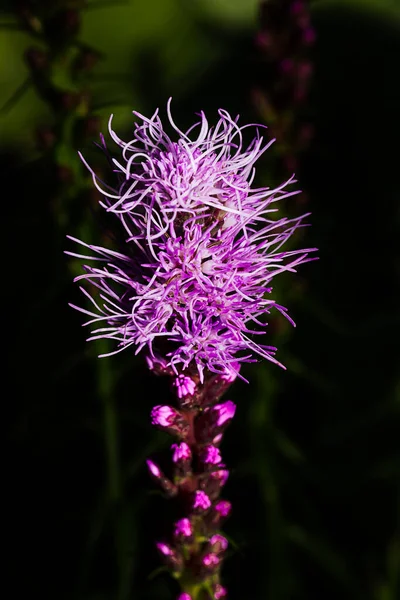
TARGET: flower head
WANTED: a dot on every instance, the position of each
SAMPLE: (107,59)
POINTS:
(190,278)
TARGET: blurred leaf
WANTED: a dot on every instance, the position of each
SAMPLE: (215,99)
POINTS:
(16,96)
(323,554)
(386,8)
(288,448)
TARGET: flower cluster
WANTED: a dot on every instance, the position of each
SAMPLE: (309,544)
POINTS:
(196,549)
(190,279)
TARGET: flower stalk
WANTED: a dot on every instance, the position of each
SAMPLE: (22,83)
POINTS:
(188,284)
(196,550)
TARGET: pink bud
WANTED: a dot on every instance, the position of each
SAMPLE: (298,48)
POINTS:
(219,592)
(154,470)
(210,560)
(171,557)
(223,507)
(184,386)
(217,438)
(219,543)
(164,549)
(182,452)
(221,476)
(211,455)
(184,596)
(163,416)
(225,411)
(183,528)
(169,419)
(201,501)
(214,483)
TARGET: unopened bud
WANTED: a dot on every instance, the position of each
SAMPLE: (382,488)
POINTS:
(167,486)
(169,419)
(214,483)
(219,592)
(211,561)
(158,365)
(185,386)
(210,455)
(225,412)
(182,453)
(183,530)
(218,543)
(212,420)
(201,501)
(154,470)
(223,508)
(170,556)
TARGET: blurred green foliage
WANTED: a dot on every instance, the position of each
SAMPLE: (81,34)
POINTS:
(315,450)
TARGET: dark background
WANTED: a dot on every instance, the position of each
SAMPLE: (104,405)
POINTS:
(314,450)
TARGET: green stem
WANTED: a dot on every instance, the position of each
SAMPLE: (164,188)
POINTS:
(105,382)
(111,448)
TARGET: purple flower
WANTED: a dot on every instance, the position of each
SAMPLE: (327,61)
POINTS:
(184,596)
(189,278)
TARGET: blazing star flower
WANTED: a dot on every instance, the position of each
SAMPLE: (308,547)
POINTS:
(189,281)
